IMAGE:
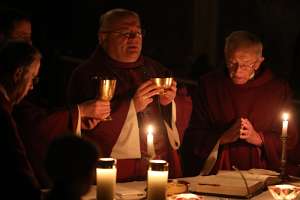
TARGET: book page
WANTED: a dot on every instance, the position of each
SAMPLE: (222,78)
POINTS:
(225,186)
(253,174)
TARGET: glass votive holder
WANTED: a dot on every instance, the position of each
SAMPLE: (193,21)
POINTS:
(157,180)
(284,191)
(106,178)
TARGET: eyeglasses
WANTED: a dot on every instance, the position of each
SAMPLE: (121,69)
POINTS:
(128,34)
(244,66)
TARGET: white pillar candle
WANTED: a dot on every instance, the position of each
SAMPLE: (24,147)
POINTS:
(106,178)
(285,122)
(157,180)
(150,142)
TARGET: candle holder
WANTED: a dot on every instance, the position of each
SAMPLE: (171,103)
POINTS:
(284,191)
(283,175)
(157,180)
(106,178)
(284,136)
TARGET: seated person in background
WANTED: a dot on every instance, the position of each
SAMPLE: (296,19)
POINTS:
(14,25)
(19,66)
(71,165)
(136,103)
(39,125)
(237,110)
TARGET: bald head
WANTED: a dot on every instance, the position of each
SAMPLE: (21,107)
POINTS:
(109,19)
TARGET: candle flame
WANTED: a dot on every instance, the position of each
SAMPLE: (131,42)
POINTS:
(285,116)
(150,129)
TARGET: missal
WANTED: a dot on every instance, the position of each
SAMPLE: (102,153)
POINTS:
(231,183)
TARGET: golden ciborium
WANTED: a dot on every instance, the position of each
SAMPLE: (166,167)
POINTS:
(164,83)
(106,91)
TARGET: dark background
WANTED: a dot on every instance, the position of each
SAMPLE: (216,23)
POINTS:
(186,36)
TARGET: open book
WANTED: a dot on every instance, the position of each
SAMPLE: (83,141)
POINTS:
(231,183)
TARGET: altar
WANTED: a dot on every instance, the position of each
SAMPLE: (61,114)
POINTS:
(141,185)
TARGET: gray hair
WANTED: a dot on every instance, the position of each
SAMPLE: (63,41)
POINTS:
(242,39)
(114,15)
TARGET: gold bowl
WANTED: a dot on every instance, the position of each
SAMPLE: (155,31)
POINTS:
(177,187)
(163,82)
(284,191)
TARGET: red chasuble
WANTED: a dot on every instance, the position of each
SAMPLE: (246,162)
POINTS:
(219,103)
(129,76)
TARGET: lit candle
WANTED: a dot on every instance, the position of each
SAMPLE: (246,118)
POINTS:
(157,180)
(106,178)
(285,122)
(150,144)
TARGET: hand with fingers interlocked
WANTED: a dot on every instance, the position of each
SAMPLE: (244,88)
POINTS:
(249,134)
(169,94)
(144,95)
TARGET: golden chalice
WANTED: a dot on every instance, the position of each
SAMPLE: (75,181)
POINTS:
(163,83)
(106,91)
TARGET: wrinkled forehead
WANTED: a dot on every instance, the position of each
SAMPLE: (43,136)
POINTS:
(244,52)
(125,22)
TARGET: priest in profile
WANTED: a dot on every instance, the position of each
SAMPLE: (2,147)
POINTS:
(236,118)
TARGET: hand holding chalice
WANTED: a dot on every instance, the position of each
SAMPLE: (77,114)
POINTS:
(168,89)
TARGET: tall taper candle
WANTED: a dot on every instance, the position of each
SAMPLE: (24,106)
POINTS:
(285,122)
(150,143)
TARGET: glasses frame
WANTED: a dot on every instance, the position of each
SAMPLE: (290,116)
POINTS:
(128,34)
(245,67)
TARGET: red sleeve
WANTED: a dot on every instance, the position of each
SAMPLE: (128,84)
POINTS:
(110,130)
(200,137)
(38,127)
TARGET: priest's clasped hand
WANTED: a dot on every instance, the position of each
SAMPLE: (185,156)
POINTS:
(249,134)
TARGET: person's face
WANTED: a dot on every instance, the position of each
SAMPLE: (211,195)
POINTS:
(242,64)
(21,31)
(123,40)
(24,79)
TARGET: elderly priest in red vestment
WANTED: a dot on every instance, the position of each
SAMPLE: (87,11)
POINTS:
(136,103)
(236,118)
